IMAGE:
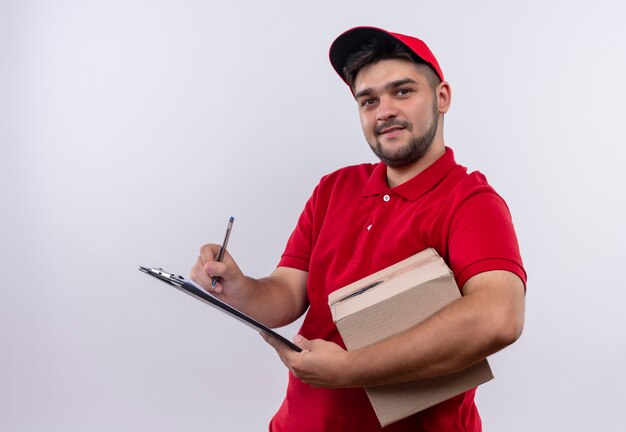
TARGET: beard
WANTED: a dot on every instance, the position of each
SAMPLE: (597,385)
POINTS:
(410,153)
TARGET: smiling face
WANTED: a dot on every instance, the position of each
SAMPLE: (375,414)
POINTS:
(399,110)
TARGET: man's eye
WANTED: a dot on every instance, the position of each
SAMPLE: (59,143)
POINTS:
(403,92)
(367,102)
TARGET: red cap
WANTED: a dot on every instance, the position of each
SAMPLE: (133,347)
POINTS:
(352,40)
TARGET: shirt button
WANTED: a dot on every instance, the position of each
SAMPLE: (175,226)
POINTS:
(369,227)
(386,198)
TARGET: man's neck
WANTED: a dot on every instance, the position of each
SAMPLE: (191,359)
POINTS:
(397,176)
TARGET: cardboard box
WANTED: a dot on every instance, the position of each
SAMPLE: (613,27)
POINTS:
(388,302)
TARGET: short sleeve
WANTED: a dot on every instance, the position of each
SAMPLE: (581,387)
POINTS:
(298,250)
(482,238)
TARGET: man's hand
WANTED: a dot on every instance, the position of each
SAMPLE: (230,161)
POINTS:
(320,364)
(276,300)
(488,317)
(231,279)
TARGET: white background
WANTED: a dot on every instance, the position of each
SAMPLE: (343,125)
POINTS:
(131,130)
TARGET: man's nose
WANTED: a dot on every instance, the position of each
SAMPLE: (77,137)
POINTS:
(386,109)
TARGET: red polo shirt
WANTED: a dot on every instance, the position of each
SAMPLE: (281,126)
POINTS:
(354,225)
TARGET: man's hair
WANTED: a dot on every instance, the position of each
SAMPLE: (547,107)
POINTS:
(378,50)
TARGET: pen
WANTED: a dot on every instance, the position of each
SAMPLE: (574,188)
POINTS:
(220,255)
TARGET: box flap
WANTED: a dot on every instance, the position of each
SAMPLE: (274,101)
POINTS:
(388,283)
(418,259)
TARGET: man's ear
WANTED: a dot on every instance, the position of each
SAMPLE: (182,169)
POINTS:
(444,97)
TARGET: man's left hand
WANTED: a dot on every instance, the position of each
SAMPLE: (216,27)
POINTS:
(320,364)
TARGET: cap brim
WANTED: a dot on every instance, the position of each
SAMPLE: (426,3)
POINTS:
(352,40)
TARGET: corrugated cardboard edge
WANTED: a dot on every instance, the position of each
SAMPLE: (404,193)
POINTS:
(395,284)
(398,401)
(424,256)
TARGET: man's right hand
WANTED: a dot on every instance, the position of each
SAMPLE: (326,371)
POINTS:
(231,281)
(276,300)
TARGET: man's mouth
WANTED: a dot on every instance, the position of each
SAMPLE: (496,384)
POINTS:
(390,128)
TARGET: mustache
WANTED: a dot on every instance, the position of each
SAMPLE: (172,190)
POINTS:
(391,123)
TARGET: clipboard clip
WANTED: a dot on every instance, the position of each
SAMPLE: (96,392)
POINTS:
(159,273)
(196,291)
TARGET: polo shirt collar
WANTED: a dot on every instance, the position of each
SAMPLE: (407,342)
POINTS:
(415,187)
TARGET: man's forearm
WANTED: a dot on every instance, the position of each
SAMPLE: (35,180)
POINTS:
(275,300)
(463,333)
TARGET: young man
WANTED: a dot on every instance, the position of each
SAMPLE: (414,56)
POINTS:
(363,218)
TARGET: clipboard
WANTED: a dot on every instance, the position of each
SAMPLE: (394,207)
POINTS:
(191,288)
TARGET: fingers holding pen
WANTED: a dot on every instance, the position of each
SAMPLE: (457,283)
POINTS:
(199,273)
(207,267)
(211,264)
(215,271)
